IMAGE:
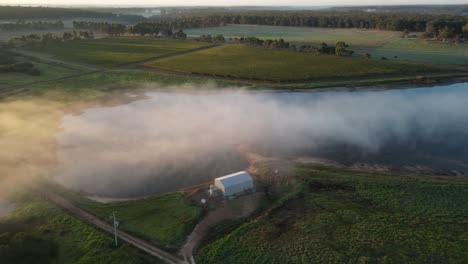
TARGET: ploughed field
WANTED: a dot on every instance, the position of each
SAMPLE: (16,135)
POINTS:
(378,43)
(241,61)
(116,51)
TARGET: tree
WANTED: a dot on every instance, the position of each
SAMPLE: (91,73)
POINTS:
(465,30)
(430,31)
(445,33)
(340,49)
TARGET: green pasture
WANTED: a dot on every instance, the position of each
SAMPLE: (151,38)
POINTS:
(356,37)
(423,51)
(102,84)
(246,62)
(345,217)
(166,219)
(375,42)
(49,71)
(115,51)
(38,232)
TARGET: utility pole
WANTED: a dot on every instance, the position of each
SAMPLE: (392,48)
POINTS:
(116,225)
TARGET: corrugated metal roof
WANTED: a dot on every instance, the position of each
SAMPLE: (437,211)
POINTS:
(235,178)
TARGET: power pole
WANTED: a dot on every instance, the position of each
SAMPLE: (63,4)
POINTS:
(116,225)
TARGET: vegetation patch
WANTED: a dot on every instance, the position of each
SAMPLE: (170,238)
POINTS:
(116,51)
(240,61)
(38,232)
(167,219)
(345,217)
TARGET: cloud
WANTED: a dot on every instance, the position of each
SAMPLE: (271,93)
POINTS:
(177,139)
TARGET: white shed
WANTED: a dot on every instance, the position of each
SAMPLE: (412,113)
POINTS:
(235,183)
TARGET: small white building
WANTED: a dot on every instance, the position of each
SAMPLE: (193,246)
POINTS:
(235,183)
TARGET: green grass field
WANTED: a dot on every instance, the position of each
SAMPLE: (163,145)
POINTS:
(116,51)
(102,84)
(167,219)
(48,71)
(344,217)
(377,43)
(38,232)
(357,37)
(424,51)
(241,61)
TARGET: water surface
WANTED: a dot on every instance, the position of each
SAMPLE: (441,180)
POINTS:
(173,140)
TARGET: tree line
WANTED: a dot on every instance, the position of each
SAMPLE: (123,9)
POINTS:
(33,25)
(112,29)
(446,29)
(22,12)
(46,39)
(363,20)
(166,30)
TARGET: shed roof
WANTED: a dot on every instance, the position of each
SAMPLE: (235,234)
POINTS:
(235,178)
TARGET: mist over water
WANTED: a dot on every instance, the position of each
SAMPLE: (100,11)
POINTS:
(174,140)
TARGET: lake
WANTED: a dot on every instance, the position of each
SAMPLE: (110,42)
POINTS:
(172,140)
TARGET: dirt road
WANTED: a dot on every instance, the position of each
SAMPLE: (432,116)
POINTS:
(93,220)
(232,209)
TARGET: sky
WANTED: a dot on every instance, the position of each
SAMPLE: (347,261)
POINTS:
(227,2)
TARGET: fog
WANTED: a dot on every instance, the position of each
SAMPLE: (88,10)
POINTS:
(172,140)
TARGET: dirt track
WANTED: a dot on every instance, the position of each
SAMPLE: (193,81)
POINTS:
(232,209)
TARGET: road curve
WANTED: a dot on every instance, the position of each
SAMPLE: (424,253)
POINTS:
(93,220)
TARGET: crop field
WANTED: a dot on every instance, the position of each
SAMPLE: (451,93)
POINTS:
(115,51)
(423,51)
(356,37)
(38,232)
(241,61)
(345,217)
(165,219)
(377,43)
(48,71)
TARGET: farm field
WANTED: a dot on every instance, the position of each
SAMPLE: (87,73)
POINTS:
(116,51)
(356,37)
(423,51)
(377,43)
(166,219)
(246,62)
(38,232)
(347,217)
(48,71)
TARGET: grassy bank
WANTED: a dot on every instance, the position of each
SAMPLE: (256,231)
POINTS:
(240,61)
(102,84)
(344,217)
(38,232)
(115,51)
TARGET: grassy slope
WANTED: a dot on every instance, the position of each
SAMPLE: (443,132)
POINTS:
(102,84)
(37,232)
(342,217)
(116,51)
(165,219)
(265,64)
